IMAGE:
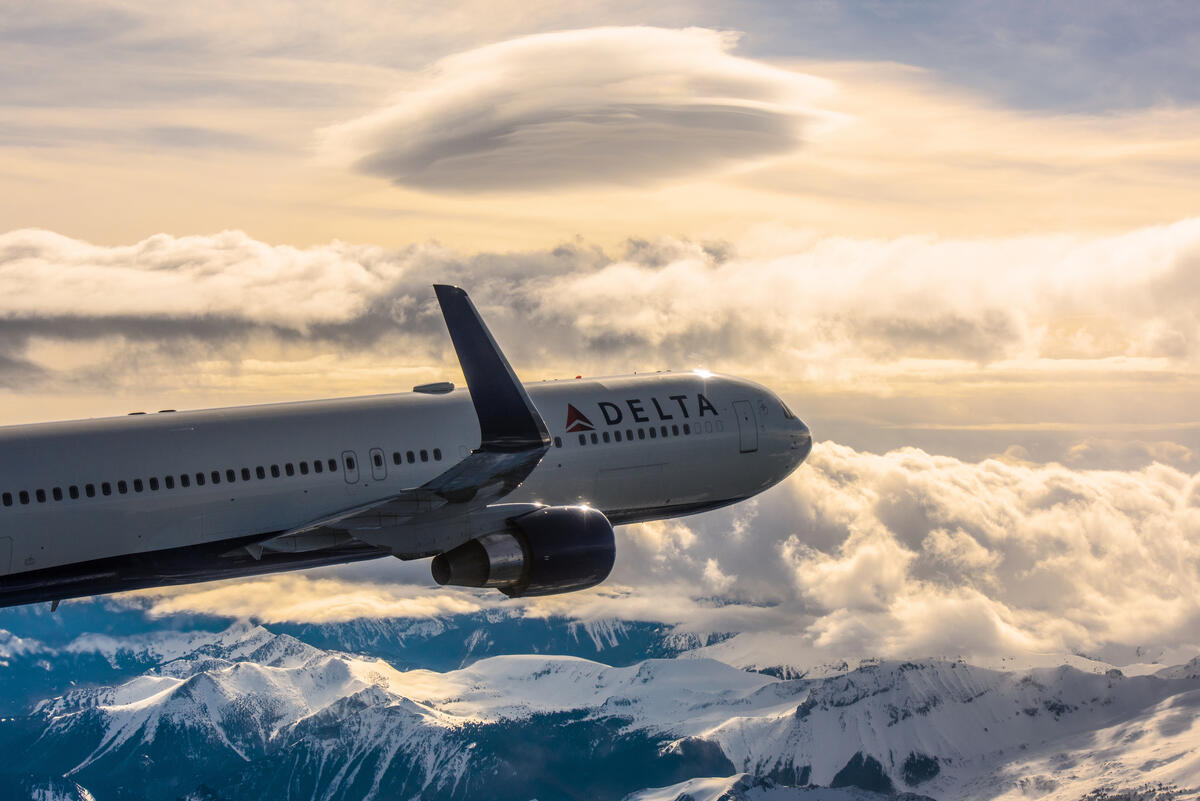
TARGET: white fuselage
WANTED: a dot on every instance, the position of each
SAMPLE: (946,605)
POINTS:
(94,491)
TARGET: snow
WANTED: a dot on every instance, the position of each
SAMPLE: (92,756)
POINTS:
(656,693)
(708,789)
(604,633)
(744,787)
(1057,732)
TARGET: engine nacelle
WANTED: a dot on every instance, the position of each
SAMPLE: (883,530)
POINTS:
(544,552)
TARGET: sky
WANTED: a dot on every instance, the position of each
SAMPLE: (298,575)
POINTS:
(962,240)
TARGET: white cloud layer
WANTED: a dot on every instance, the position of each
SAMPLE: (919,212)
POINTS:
(824,306)
(1087,346)
(903,554)
(1064,299)
(602,105)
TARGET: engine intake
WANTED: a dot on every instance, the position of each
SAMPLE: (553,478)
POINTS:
(544,552)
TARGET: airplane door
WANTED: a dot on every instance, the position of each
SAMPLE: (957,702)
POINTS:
(5,555)
(378,464)
(350,463)
(747,426)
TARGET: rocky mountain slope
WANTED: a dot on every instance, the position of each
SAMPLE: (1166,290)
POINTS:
(249,712)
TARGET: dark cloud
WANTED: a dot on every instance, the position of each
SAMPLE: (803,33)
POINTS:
(175,137)
(985,336)
(1076,54)
(193,137)
(1082,55)
(18,374)
(622,144)
(60,24)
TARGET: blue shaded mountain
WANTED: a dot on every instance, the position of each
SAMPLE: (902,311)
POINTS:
(97,642)
(255,713)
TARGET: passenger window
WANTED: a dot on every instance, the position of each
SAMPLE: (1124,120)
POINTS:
(675,430)
(437,454)
(106,488)
(558,442)
(396,457)
(412,457)
(8,499)
(607,438)
(215,476)
(583,439)
(24,496)
(245,474)
(641,433)
(122,487)
(617,435)
(318,466)
(89,490)
(184,481)
(595,439)
(653,432)
(289,469)
(199,479)
(349,462)
(73,491)
(333,465)
(687,429)
(230,476)
(40,495)
(664,431)
(304,468)
(154,485)
(57,493)
(261,472)
(424,456)
(137,485)
(377,459)
(274,471)
(629,434)
(169,482)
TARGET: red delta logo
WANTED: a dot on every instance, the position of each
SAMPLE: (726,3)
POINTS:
(577,421)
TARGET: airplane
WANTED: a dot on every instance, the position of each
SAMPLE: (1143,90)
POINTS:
(509,486)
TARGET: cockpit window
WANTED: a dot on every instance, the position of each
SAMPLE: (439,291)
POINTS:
(787,413)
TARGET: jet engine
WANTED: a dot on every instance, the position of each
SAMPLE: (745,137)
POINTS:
(548,551)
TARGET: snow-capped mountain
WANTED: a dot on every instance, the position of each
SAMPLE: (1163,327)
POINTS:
(253,713)
(96,642)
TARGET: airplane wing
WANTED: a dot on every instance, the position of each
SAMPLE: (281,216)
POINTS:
(513,440)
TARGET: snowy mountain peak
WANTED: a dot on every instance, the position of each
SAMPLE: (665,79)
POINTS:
(252,710)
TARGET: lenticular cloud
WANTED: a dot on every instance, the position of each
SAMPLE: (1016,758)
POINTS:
(602,105)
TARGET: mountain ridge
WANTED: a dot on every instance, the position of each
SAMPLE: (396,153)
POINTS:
(249,706)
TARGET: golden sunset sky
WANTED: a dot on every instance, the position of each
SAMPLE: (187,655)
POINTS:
(970,228)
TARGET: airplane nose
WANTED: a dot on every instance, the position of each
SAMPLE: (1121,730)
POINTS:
(801,441)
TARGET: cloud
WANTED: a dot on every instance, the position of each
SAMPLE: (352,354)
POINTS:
(908,554)
(312,597)
(596,106)
(1074,55)
(878,342)
(1067,299)
(858,554)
